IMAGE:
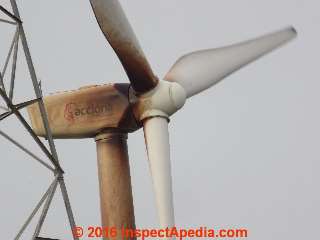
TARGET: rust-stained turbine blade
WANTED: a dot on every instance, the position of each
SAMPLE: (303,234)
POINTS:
(116,28)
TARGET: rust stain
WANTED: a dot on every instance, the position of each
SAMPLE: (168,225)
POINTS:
(136,66)
(86,112)
(132,58)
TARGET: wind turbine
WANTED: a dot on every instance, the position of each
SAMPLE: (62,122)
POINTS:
(154,100)
(109,112)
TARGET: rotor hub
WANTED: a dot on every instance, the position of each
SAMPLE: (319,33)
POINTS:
(162,101)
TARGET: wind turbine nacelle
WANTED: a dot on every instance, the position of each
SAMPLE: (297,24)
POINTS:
(85,112)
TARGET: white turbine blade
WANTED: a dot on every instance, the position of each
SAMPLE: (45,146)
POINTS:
(117,29)
(157,143)
(200,70)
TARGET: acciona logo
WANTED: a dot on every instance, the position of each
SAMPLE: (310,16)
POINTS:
(74,111)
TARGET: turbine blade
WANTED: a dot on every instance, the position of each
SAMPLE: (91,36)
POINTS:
(116,28)
(200,70)
(157,143)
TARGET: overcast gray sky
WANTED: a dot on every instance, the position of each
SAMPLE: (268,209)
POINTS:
(245,153)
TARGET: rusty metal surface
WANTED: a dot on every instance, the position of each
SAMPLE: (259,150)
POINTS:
(116,198)
(121,37)
(86,112)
